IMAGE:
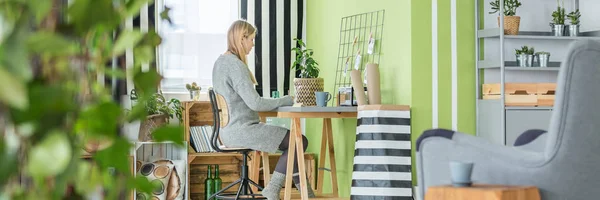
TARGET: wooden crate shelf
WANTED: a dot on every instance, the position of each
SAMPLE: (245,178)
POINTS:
(522,94)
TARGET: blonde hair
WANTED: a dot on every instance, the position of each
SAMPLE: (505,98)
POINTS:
(238,30)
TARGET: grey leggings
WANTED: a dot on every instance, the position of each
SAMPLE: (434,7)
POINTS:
(282,163)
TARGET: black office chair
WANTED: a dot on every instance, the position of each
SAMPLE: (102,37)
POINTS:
(244,191)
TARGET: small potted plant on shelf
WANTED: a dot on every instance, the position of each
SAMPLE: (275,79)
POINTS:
(574,26)
(525,56)
(558,21)
(158,111)
(511,22)
(308,81)
(194,90)
(543,58)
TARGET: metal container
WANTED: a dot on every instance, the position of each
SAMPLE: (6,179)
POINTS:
(573,30)
(525,60)
(543,59)
(558,29)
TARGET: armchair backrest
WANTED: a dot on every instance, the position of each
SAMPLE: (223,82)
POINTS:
(575,125)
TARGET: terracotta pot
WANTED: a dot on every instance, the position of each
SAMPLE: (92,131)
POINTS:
(306,88)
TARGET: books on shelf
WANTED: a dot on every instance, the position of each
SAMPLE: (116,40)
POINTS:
(200,139)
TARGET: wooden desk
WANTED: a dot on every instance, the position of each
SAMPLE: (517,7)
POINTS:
(483,192)
(296,113)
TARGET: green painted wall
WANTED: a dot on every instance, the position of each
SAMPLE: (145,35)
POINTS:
(405,67)
(421,52)
(323,26)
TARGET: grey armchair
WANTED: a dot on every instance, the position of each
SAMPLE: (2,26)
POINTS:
(568,165)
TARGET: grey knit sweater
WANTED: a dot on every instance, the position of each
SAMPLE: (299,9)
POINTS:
(231,79)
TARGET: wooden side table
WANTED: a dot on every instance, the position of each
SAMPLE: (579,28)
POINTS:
(483,192)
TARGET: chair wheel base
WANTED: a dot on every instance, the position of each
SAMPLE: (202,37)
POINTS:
(233,195)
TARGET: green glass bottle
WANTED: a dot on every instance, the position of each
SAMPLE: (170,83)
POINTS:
(218,181)
(209,184)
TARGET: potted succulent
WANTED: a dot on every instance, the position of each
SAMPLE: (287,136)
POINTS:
(524,56)
(511,22)
(574,26)
(543,58)
(558,21)
(308,81)
(158,111)
(194,90)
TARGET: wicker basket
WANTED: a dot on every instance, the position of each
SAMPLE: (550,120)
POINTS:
(511,24)
(152,122)
(306,88)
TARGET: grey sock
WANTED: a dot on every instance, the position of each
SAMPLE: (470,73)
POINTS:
(296,179)
(274,186)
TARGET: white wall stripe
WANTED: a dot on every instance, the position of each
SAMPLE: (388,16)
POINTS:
(383,113)
(280,50)
(381,144)
(251,20)
(377,191)
(453,43)
(434,64)
(294,32)
(265,49)
(400,176)
(144,28)
(383,160)
(129,57)
(383,129)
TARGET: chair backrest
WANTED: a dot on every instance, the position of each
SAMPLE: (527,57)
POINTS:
(214,140)
(575,125)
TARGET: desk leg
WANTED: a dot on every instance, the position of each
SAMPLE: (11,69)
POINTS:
(290,162)
(334,180)
(266,168)
(322,155)
(301,165)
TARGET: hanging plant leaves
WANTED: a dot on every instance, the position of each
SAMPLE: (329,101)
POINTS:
(12,91)
(51,43)
(93,14)
(169,133)
(100,119)
(51,156)
(126,39)
(115,156)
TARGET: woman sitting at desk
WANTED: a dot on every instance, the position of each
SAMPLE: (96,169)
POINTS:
(233,80)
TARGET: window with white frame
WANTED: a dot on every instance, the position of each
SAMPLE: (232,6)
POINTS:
(194,40)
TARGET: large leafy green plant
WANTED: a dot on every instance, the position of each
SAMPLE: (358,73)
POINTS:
(304,61)
(52,104)
(510,7)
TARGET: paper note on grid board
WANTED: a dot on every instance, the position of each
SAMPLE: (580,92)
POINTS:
(382,159)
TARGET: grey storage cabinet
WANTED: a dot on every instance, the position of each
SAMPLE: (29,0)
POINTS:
(518,121)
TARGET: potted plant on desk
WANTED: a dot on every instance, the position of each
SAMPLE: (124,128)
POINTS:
(308,82)
(511,22)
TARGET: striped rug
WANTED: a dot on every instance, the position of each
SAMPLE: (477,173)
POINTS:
(382,157)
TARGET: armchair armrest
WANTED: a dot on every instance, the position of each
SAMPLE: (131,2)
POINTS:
(494,163)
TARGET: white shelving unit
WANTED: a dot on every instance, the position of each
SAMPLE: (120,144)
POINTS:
(496,62)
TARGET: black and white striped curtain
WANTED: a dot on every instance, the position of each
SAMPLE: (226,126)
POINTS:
(278,23)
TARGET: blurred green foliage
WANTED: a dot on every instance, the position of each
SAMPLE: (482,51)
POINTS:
(52,104)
